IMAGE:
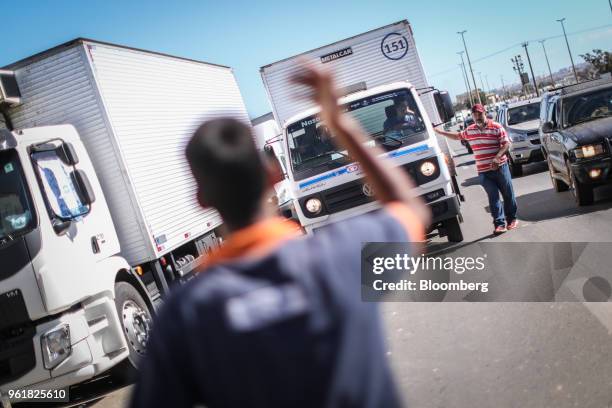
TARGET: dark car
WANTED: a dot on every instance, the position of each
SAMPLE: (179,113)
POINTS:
(577,138)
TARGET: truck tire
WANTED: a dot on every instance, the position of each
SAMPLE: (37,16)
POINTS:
(583,194)
(516,170)
(453,230)
(557,184)
(135,318)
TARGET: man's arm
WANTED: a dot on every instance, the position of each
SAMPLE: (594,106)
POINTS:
(452,135)
(390,183)
(505,146)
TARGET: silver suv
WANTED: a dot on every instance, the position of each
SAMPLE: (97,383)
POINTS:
(522,120)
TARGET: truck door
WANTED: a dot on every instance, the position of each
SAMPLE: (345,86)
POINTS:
(67,262)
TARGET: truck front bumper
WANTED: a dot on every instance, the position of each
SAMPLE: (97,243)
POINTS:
(444,209)
(97,344)
(601,167)
(526,152)
(441,210)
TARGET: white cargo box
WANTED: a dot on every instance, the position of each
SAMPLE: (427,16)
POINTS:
(135,111)
(381,56)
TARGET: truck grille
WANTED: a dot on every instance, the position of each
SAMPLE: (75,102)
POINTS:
(16,333)
(535,141)
(16,353)
(345,197)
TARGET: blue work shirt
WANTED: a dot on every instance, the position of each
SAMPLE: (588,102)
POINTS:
(283,326)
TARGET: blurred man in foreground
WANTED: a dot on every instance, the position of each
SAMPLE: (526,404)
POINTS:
(275,319)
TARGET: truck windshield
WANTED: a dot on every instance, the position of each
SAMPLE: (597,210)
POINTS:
(587,107)
(391,120)
(523,113)
(16,217)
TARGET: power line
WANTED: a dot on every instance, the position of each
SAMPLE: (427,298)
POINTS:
(586,30)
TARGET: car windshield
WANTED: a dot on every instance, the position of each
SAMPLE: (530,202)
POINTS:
(587,107)
(391,120)
(523,113)
(16,217)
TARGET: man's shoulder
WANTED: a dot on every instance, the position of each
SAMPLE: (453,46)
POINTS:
(495,125)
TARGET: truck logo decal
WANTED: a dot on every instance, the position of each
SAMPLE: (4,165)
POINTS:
(336,55)
(351,168)
(368,190)
(394,46)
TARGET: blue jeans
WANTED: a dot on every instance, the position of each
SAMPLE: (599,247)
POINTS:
(495,182)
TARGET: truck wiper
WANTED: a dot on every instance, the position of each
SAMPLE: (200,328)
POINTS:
(5,239)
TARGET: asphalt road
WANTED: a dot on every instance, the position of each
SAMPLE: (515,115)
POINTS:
(503,354)
(509,354)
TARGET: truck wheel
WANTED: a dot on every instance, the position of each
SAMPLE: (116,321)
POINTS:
(135,320)
(583,194)
(558,185)
(453,230)
(516,170)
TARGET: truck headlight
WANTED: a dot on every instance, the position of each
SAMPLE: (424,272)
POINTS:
(314,205)
(427,168)
(587,151)
(56,346)
(517,137)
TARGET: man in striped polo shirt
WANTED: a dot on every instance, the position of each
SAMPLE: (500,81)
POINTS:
(490,143)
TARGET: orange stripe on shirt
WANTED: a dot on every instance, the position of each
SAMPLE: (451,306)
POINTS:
(253,241)
(409,219)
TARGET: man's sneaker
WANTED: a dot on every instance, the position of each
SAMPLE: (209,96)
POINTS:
(500,229)
(512,225)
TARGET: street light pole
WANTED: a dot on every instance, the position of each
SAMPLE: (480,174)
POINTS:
(487,82)
(568,48)
(503,87)
(552,80)
(462,33)
(533,78)
(465,78)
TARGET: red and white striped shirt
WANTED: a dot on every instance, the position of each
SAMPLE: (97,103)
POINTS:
(486,143)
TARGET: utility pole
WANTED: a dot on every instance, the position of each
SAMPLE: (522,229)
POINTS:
(482,85)
(487,82)
(462,33)
(465,78)
(552,80)
(518,68)
(503,87)
(568,48)
(533,78)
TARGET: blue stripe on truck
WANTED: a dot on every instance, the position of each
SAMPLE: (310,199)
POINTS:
(344,170)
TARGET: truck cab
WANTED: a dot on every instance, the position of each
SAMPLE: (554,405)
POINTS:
(58,245)
(329,186)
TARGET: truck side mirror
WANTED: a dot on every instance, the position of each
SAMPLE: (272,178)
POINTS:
(67,154)
(83,187)
(548,127)
(444,105)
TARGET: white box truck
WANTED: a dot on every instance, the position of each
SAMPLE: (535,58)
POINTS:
(378,71)
(97,204)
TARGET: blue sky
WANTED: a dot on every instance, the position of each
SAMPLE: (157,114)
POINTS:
(246,34)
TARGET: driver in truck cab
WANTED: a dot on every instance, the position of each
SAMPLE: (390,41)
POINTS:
(399,116)
(275,318)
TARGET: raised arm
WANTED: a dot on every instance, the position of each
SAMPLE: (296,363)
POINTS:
(390,184)
(451,135)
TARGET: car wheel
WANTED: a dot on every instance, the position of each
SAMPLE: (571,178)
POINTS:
(583,194)
(453,230)
(558,185)
(135,318)
(516,170)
